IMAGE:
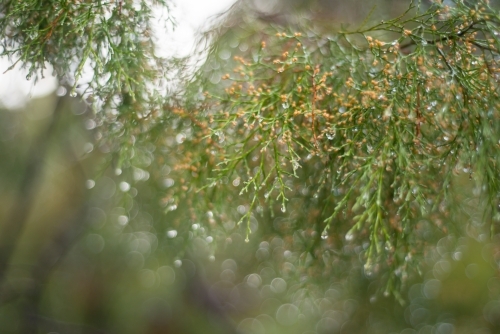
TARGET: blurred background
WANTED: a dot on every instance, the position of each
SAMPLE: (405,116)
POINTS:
(103,250)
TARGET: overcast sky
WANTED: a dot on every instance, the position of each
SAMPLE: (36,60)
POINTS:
(191,17)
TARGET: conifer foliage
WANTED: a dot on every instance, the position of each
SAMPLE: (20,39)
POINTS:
(355,138)
(331,154)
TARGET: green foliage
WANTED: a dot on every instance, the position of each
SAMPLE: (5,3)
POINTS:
(342,159)
(353,138)
(105,49)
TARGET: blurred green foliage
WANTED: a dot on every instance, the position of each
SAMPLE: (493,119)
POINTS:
(359,166)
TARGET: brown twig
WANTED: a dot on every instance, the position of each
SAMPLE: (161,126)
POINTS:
(439,40)
(52,27)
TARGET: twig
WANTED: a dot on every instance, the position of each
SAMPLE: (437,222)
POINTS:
(441,39)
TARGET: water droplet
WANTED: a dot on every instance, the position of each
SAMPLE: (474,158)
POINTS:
(172,234)
(89,184)
(179,138)
(368,268)
(73,93)
(236,181)
(33,34)
(220,135)
(122,220)
(28,77)
(124,186)
(285,105)
(167,183)
(283,208)
(295,165)
(241,209)
(349,236)
(61,91)
(247,240)
(324,235)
